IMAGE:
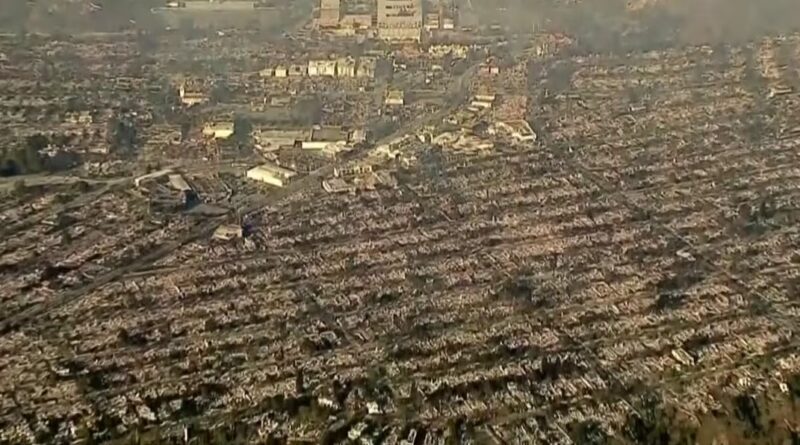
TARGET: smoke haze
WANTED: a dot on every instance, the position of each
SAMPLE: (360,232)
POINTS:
(600,25)
(70,16)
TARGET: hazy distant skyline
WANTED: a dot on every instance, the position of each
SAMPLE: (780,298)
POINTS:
(601,23)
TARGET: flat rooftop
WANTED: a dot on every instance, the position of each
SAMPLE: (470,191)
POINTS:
(329,134)
(212,6)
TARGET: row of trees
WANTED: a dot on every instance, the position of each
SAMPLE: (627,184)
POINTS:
(26,159)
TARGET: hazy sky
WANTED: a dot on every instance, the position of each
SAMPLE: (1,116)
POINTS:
(602,22)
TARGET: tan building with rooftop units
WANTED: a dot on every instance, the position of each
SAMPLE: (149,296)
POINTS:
(400,20)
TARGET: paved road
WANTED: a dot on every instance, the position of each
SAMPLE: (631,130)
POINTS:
(58,179)
(67,178)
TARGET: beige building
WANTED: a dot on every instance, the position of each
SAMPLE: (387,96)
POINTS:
(432,21)
(272,139)
(346,67)
(520,130)
(395,97)
(400,20)
(220,130)
(337,185)
(483,101)
(227,232)
(191,96)
(322,68)
(356,21)
(271,174)
(177,182)
(281,71)
(329,13)
(328,141)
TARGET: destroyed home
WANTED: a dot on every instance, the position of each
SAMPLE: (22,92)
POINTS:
(574,246)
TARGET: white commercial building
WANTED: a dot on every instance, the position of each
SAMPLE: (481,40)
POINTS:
(271,174)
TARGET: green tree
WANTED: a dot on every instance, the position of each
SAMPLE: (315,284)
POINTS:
(9,167)
(242,128)
(31,156)
(33,161)
(220,93)
(122,134)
